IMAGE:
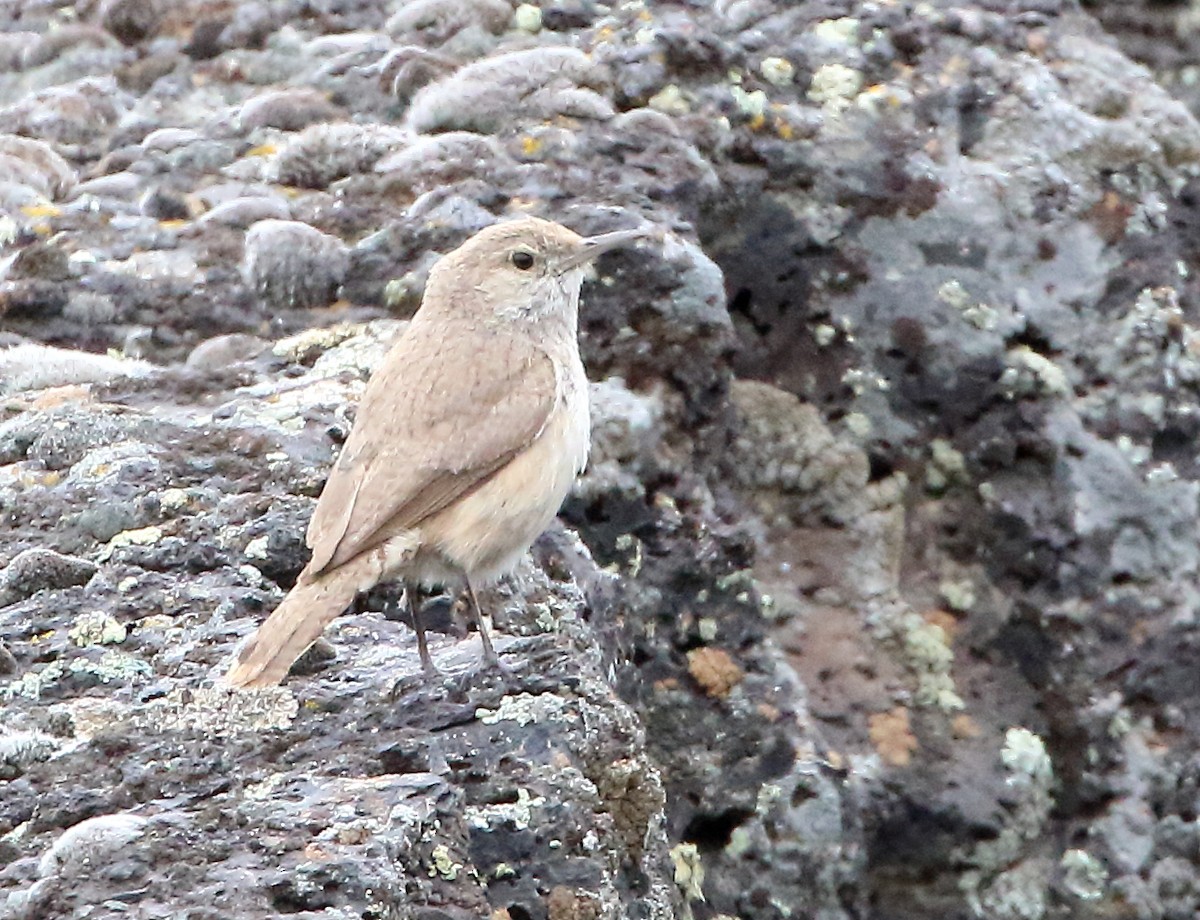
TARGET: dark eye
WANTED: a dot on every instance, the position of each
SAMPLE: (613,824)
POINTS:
(522,260)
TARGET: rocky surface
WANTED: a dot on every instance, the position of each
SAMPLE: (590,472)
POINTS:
(879,598)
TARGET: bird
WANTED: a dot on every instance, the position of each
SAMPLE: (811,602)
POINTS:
(467,439)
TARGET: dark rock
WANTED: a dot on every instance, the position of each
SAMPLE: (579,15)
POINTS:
(287,110)
(293,265)
(131,21)
(323,153)
(41,569)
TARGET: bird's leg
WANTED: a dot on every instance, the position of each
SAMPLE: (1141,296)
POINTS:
(412,597)
(489,653)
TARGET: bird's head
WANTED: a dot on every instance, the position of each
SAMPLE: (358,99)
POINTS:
(527,269)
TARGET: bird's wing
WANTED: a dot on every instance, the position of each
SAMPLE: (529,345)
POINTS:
(444,411)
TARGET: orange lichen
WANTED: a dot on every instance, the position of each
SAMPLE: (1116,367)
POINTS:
(566,904)
(892,736)
(714,670)
(943,618)
(964,726)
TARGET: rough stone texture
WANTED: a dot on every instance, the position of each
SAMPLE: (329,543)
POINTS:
(880,597)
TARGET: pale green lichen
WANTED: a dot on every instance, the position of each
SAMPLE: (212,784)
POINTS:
(1031,374)
(834,86)
(526,709)
(172,501)
(1154,337)
(1018,893)
(1121,724)
(1007,882)
(841,31)
(143,536)
(752,105)
(303,346)
(947,458)
(1024,754)
(519,813)
(528,18)
(22,749)
(740,842)
(443,864)
(861,381)
(1083,875)
(670,100)
(257,548)
(947,466)
(768,795)
(980,315)
(778,71)
(266,790)
(223,710)
(930,656)
(958,595)
(31,684)
(544,618)
(113,667)
(96,628)
(924,649)
(689,871)
(954,294)
(858,425)
(735,580)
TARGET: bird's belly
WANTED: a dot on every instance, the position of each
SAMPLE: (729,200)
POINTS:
(485,533)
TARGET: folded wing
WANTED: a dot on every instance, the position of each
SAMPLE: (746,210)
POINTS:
(435,422)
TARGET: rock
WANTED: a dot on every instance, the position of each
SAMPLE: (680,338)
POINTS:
(61,42)
(247,211)
(436,22)
(323,153)
(292,265)
(511,89)
(87,846)
(20,750)
(131,21)
(225,350)
(35,367)
(404,70)
(782,447)
(76,114)
(429,163)
(39,569)
(39,163)
(287,110)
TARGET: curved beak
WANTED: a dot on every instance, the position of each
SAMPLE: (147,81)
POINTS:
(594,246)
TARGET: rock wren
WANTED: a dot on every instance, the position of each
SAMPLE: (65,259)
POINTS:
(467,440)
